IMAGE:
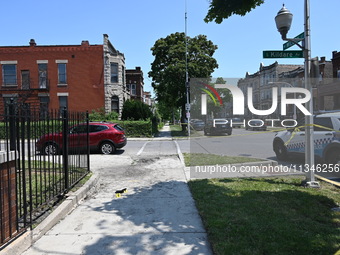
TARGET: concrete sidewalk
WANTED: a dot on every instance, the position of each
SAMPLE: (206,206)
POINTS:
(156,216)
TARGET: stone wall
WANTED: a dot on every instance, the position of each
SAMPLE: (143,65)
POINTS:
(111,55)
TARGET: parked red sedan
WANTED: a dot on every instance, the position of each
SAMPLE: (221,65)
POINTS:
(105,137)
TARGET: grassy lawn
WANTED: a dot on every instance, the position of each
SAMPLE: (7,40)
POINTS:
(268,216)
(201,159)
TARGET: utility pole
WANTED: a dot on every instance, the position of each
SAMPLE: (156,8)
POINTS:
(187,87)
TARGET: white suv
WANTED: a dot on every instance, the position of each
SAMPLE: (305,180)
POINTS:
(326,141)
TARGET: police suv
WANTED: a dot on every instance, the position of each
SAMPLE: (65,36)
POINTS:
(326,140)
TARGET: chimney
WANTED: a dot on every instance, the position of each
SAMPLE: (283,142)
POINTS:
(85,43)
(32,43)
(137,68)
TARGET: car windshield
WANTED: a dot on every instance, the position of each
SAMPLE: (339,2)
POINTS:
(220,121)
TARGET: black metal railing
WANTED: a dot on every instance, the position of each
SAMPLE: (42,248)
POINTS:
(49,161)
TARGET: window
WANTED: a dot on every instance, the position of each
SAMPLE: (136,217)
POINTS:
(62,79)
(44,101)
(114,72)
(42,68)
(62,103)
(9,74)
(115,104)
(81,129)
(95,128)
(8,101)
(123,75)
(325,122)
(133,89)
(25,79)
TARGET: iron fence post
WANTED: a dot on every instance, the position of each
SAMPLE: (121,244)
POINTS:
(88,140)
(12,128)
(65,147)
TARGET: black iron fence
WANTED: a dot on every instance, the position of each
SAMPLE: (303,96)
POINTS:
(40,161)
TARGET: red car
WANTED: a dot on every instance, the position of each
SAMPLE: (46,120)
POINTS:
(105,137)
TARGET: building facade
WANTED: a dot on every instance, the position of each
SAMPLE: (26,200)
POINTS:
(135,83)
(262,82)
(328,90)
(79,77)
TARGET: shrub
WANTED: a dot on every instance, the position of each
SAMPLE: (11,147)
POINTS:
(136,128)
(136,110)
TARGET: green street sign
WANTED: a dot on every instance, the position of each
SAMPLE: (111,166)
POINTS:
(282,54)
(290,44)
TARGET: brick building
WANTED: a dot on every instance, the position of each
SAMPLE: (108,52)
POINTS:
(79,77)
(135,83)
(328,90)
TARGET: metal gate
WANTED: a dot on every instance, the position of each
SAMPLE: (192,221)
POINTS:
(40,161)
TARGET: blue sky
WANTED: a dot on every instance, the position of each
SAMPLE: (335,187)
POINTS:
(133,27)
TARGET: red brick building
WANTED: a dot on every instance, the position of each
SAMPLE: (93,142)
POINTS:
(135,83)
(79,77)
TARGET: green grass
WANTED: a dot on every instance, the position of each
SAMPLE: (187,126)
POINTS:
(47,181)
(202,159)
(176,130)
(268,216)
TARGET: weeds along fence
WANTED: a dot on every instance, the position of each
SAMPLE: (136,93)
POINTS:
(40,161)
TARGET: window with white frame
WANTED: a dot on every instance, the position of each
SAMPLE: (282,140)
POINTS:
(42,69)
(9,74)
(62,77)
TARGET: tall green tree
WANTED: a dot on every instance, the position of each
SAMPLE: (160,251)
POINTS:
(223,9)
(168,70)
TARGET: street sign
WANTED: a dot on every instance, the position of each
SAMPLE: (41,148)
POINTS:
(290,44)
(187,107)
(282,54)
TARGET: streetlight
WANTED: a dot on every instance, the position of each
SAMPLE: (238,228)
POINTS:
(283,22)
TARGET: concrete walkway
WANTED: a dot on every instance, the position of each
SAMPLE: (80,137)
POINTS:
(156,216)
(164,132)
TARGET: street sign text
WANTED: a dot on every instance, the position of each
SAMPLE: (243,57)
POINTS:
(283,54)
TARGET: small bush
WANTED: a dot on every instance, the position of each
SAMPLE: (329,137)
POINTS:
(136,128)
(136,110)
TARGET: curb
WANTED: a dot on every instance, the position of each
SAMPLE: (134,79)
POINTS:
(156,138)
(26,240)
(327,180)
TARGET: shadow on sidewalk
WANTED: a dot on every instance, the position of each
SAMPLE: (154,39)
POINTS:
(160,219)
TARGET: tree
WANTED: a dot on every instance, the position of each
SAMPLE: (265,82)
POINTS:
(213,106)
(223,9)
(168,70)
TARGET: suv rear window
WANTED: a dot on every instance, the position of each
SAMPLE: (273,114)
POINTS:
(95,128)
(119,128)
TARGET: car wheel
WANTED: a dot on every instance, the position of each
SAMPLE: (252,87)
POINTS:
(229,132)
(205,132)
(280,150)
(107,148)
(333,157)
(50,149)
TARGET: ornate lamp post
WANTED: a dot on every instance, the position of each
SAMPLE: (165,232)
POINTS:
(283,22)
